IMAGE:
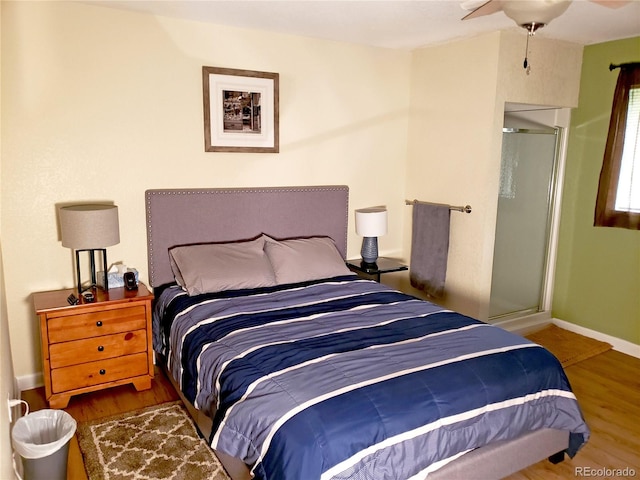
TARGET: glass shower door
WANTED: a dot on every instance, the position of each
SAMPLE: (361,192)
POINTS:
(523,223)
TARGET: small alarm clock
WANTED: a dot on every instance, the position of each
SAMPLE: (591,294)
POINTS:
(130,281)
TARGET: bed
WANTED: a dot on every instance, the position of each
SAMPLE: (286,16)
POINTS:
(294,368)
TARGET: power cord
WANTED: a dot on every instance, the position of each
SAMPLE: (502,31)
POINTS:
(15,403)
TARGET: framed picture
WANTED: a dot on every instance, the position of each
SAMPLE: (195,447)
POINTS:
(240,110)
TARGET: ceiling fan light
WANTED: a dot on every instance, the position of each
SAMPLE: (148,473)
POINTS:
(532,27)
(525,12)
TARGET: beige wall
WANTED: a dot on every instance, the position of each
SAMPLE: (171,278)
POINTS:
(7,387)
(105,104)
(458,95)
(554,76)
(450,154)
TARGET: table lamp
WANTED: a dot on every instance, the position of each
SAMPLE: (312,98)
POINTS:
(89,228)
(370,224)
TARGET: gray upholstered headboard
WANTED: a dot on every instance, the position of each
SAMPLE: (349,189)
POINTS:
(181,217)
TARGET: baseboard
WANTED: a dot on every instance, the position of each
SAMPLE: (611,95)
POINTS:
(526,324)
(27,382)
(618,344)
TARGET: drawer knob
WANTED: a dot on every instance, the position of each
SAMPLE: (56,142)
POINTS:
(102,371)
(99,323)
(101,348)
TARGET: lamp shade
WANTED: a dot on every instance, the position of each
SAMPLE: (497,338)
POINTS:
(85,227)
(371,222)
(534,11)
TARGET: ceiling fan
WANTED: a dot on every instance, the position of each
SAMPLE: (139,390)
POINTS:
(528,14)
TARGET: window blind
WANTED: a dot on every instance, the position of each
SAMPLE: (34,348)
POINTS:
(628,192)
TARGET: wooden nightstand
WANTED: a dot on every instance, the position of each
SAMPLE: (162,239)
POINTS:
(92,346)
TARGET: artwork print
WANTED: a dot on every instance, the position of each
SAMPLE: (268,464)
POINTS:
(240,110)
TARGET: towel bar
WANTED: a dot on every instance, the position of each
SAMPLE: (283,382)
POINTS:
(466,208)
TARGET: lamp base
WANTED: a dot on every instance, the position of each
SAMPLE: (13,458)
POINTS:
(92,266)
(369,251)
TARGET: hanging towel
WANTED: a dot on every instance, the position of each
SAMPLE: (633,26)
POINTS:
(429,247)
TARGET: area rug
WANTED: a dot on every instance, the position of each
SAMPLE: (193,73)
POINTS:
(568,347)
(154,443)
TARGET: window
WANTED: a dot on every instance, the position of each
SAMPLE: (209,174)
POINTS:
(618,201)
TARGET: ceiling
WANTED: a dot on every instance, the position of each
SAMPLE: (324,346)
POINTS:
(390,23)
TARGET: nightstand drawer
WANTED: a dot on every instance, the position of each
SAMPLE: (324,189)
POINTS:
(94,324)
(101,371)
(97,348)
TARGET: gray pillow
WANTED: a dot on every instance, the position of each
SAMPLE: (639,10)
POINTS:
(304,259)
(214,267)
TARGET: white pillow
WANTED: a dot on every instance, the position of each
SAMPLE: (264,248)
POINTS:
(214,267)
(303,259)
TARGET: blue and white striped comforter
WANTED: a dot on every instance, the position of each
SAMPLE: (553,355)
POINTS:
(346,378)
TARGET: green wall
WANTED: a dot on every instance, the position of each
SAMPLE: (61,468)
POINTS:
(597,283)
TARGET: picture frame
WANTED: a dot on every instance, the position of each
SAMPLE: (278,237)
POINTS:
(241,110)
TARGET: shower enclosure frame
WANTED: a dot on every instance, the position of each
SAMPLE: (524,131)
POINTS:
(554,119)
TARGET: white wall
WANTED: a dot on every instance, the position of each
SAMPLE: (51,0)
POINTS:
(105,104)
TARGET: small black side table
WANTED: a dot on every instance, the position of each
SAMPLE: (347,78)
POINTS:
(372,271)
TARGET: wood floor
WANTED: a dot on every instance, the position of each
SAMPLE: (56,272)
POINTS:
(104,403)
(607,387)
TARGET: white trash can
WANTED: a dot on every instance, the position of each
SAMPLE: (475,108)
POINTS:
(42,440)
